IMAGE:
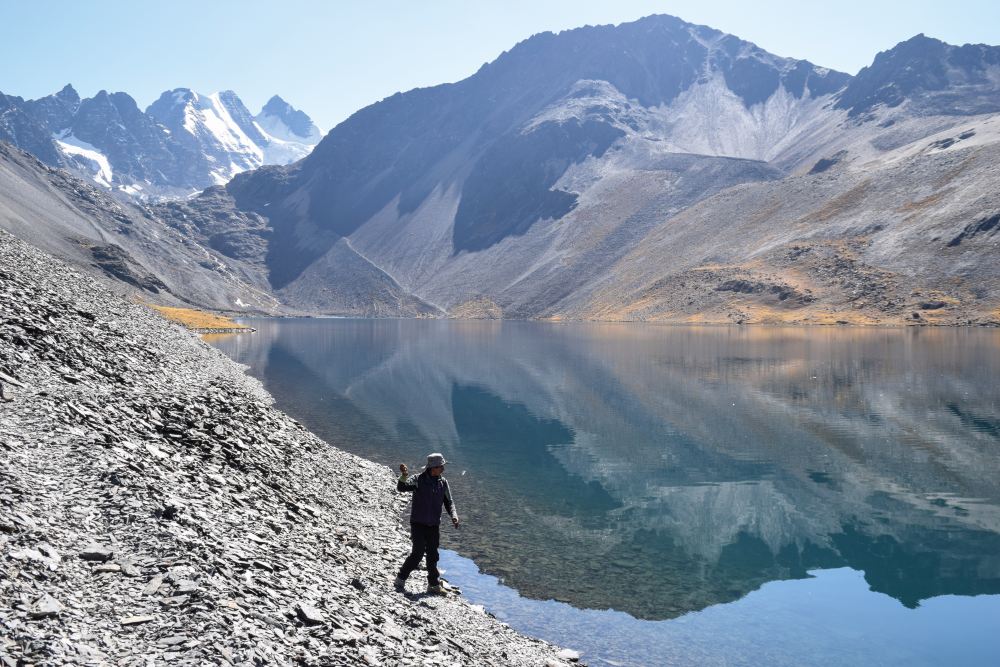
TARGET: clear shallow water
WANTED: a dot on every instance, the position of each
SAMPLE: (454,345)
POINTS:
(831,618)
(738,495)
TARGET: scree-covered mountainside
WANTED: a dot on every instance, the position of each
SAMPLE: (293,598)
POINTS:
(183,143)
(660,170)
(655,170)
(125,243)
(204,253)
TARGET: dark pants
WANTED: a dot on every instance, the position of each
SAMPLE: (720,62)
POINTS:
(425,541)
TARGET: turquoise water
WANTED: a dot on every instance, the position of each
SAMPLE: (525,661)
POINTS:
(674,495)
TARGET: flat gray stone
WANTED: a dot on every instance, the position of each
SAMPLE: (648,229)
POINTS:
(185,586)
(137,620)
(9,380)
(172,640)
(45,607)
(309,615)
(49,551)
(97,552)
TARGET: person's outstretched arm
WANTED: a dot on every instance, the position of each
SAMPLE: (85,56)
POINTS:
(404,483)
(449,505)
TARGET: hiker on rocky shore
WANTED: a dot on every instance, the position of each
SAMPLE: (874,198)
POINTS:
(430,491)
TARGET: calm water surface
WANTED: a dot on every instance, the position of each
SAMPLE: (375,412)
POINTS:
(674,495)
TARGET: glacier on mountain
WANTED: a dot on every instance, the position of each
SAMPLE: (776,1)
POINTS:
(233,141)
(91,158)
(286,144)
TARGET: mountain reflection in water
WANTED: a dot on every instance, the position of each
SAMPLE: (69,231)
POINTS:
(660,470)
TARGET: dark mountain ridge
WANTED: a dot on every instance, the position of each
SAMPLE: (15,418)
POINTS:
(505,139)
(938,77)
(385,150)
(19,128)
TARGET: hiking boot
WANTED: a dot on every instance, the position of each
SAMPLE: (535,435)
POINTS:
(436,590)
(399,584)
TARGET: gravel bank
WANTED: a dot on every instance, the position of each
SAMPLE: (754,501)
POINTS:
(156,509)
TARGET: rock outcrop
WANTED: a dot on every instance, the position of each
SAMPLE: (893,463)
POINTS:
(155,506)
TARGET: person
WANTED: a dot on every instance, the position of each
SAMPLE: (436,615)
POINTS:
(430,491)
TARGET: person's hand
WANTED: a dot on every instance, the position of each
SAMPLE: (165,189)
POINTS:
(403,469)
(455,522)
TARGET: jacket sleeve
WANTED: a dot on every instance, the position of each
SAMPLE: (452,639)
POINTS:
(449,504)
(406,484)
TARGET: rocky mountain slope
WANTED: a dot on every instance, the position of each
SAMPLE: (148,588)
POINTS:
(183,143)
(85,225)
(154,506)
(660,170)
(203,252)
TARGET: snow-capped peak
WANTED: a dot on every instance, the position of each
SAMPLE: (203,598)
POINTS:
(283,121)
(220,126)
(204,122)
(184,142)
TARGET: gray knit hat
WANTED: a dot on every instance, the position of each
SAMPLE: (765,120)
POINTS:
(434,460)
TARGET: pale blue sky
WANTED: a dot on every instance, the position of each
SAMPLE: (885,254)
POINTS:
(333,57)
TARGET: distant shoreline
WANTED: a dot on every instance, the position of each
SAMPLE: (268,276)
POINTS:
(991,324)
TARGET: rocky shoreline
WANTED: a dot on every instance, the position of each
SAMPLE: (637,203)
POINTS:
(155,509)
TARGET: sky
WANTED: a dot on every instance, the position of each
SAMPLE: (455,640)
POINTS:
(333,57)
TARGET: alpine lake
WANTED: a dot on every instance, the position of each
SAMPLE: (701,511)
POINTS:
(660,495)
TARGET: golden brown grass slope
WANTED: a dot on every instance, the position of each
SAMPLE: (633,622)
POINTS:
(198,320)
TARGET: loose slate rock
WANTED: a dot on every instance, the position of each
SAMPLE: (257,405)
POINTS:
(45,607)
(153,585)
(9,380)
(310,615)
(49,551)
(137,620)
(98,553)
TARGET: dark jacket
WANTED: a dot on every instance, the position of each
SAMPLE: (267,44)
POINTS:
(429,493)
